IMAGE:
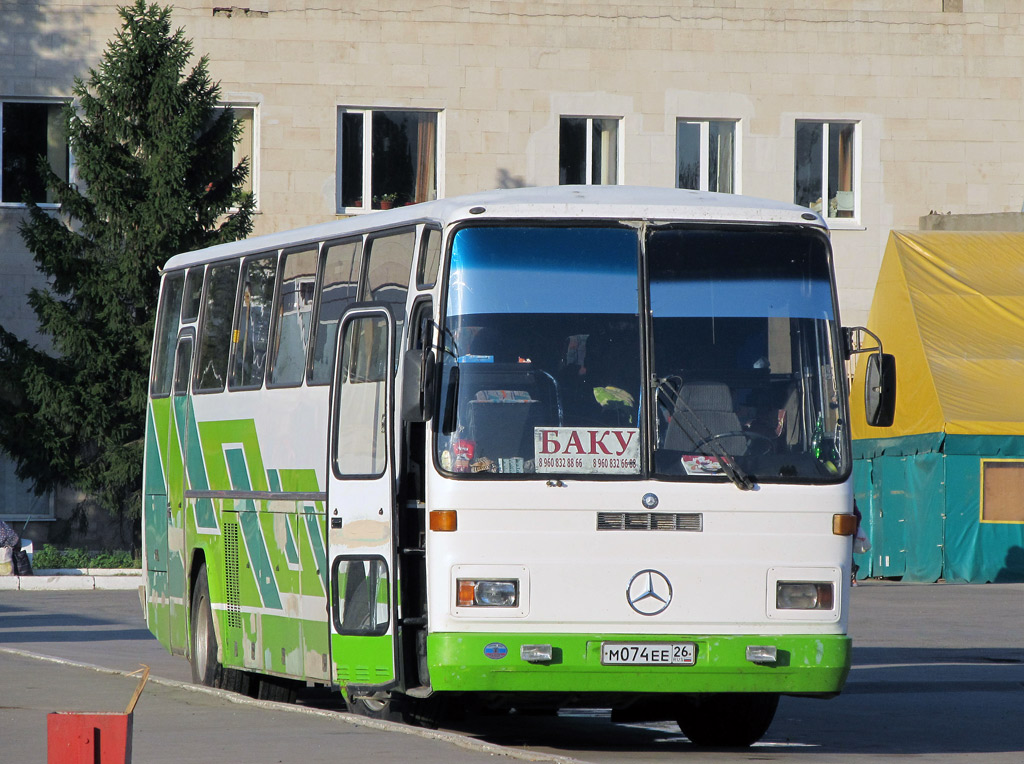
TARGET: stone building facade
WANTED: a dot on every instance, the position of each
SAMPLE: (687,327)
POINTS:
(876,112)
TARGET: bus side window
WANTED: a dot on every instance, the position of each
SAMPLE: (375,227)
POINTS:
(252,332)
(430,259)
(215,334)
(389,262)
(166,334)
(193,295)
(339,279)
(293,318)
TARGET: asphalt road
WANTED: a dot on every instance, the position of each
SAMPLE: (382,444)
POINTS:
(938,676)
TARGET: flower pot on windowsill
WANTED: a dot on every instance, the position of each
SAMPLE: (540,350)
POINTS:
(386,204)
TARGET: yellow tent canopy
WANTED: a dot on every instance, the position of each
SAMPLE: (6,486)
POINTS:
(950,307)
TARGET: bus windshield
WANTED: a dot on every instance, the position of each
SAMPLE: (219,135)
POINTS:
(545,350)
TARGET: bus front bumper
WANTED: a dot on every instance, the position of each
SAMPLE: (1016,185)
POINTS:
(815,664)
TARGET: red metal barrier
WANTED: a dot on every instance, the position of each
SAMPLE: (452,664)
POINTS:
(73,738)
(88,738)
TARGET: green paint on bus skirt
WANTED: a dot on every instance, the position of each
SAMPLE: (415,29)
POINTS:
(816,664)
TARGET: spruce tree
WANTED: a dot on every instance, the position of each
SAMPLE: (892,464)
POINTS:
(154,178)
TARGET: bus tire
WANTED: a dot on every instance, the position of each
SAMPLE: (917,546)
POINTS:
(276,689)
(382,706)
(418,712)
(203,649)
(206,670)
(727,719)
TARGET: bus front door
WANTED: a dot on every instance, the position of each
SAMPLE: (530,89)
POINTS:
(360,514)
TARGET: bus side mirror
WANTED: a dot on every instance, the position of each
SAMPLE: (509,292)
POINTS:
(418,386)
(880,389)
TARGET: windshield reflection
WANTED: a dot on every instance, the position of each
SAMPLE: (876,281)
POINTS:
(543,354)
(743,344)
(542,361)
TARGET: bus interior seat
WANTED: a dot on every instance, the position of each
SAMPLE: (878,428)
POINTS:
(711,403)
(504,403)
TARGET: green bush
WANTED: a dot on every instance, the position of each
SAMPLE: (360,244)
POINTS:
(52,557)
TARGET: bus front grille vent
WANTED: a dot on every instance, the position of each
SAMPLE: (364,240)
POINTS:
(650,521)
(232,590)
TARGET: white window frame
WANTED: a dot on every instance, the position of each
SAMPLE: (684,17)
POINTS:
(837,222)
(72,170)
(367,191)
(589,145)
(705,151)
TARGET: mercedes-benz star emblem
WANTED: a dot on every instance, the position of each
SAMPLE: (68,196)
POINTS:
(649,592)
(650,500)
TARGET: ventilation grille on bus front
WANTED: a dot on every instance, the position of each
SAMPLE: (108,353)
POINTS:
(232,589)
(650,521)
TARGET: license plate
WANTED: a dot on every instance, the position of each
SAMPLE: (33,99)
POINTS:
(648,653)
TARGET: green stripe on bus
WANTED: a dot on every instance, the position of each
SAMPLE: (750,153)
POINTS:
(155,480)
(206,515)
(291,553)
(817,663)
(316,542)
(274,479)
(248,521)
(217,437)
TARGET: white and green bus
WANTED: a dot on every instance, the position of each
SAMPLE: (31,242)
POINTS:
(531,448)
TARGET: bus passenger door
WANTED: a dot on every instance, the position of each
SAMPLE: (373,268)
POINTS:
(360,496)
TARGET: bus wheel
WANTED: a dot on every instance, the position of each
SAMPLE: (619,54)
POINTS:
(276,689)
(380,705)
(728,719)
(205,668)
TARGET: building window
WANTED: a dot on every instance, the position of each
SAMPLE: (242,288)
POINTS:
(823,173)
(386,158)
(588,151)
(31,130)
(706,155)
(245,148)
(18,500)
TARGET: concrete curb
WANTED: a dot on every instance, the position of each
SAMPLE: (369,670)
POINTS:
(87,571)
(73,579)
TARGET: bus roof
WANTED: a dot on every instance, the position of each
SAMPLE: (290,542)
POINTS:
(554,202)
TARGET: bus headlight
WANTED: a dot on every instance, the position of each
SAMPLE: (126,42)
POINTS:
(804,595)
(487,593)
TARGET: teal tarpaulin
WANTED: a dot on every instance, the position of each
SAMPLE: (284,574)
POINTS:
(922,510)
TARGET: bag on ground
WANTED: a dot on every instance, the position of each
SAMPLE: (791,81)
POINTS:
(22,564)
(861,543)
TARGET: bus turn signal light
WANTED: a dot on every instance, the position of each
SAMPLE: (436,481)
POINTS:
(844,525)
(443,520)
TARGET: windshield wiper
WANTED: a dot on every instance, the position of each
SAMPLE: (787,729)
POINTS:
(703,438)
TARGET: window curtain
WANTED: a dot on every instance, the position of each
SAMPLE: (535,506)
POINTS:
(426,150)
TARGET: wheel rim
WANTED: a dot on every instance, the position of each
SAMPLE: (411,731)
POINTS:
(202,635)
(375,703)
